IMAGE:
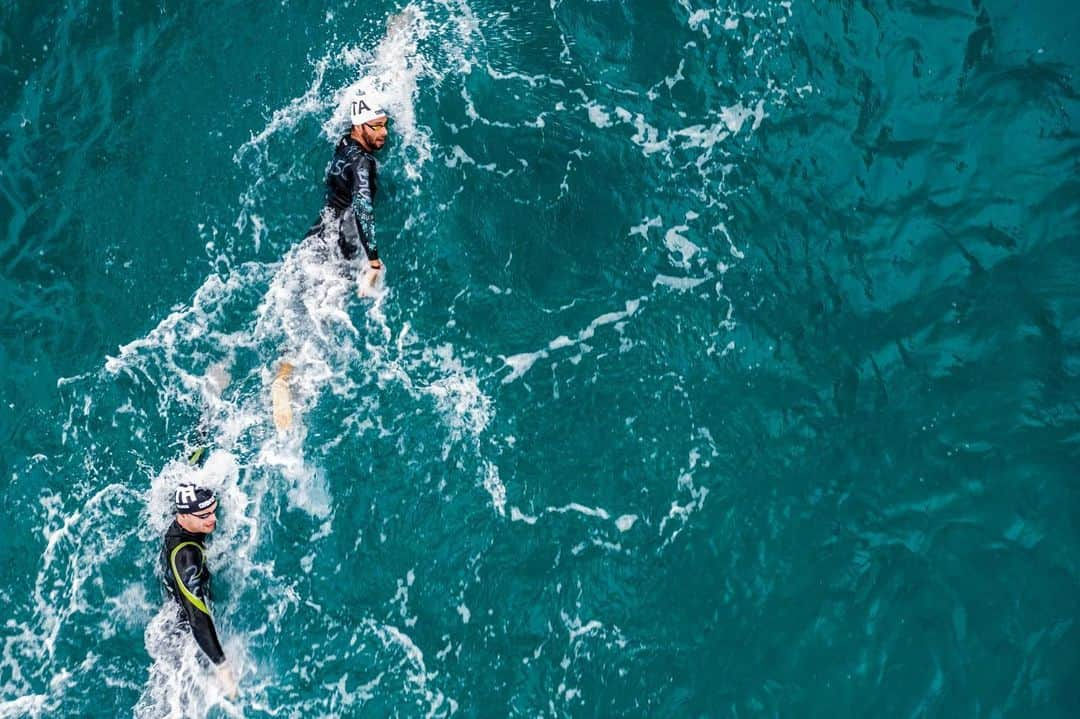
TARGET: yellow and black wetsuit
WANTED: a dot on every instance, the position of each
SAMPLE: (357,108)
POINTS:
(187,579)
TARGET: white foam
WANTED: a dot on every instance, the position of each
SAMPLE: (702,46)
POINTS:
(464,406)
(416,673)
(678,243)
(736,115)
(597,116)
(458,156)
(646,224)
(560,342)
(309,103)
(521,363)
(682,284)
(516,515)
(698,19)
(578,629)
(686,486)
(30,705)
(599,512)
(363,693)
(531,80)
(495,487)
(704,137)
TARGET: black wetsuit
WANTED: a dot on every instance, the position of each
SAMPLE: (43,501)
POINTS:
(350,197)
(187,580)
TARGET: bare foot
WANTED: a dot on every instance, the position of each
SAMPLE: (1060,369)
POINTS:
(281,398)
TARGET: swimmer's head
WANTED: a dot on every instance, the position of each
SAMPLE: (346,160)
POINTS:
(196,508)
(369,120)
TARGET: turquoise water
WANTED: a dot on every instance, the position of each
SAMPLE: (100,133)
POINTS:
(726,364)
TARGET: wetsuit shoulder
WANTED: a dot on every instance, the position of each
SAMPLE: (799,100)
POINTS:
(341,175)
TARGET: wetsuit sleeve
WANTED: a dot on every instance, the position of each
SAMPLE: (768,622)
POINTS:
(186,565)
(363,207)
(199,442)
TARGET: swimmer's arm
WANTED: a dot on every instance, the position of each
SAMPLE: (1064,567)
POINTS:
(187,565)
(364,210)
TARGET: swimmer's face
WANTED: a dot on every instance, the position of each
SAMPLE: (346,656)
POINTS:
(202,522)
(375,132)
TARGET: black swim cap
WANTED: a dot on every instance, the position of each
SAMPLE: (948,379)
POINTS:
(190,498)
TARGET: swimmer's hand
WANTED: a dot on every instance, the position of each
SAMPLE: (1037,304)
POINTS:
(369,279)
(227,680)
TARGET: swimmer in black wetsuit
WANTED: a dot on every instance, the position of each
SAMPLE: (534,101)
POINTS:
(347,221)
(185,574)
(351,185)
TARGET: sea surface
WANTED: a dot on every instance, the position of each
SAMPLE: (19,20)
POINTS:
(727,362)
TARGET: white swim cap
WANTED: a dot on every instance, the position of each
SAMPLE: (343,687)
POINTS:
(364,107)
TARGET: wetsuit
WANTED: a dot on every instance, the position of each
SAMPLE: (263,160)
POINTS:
(187,580)
(350,195)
